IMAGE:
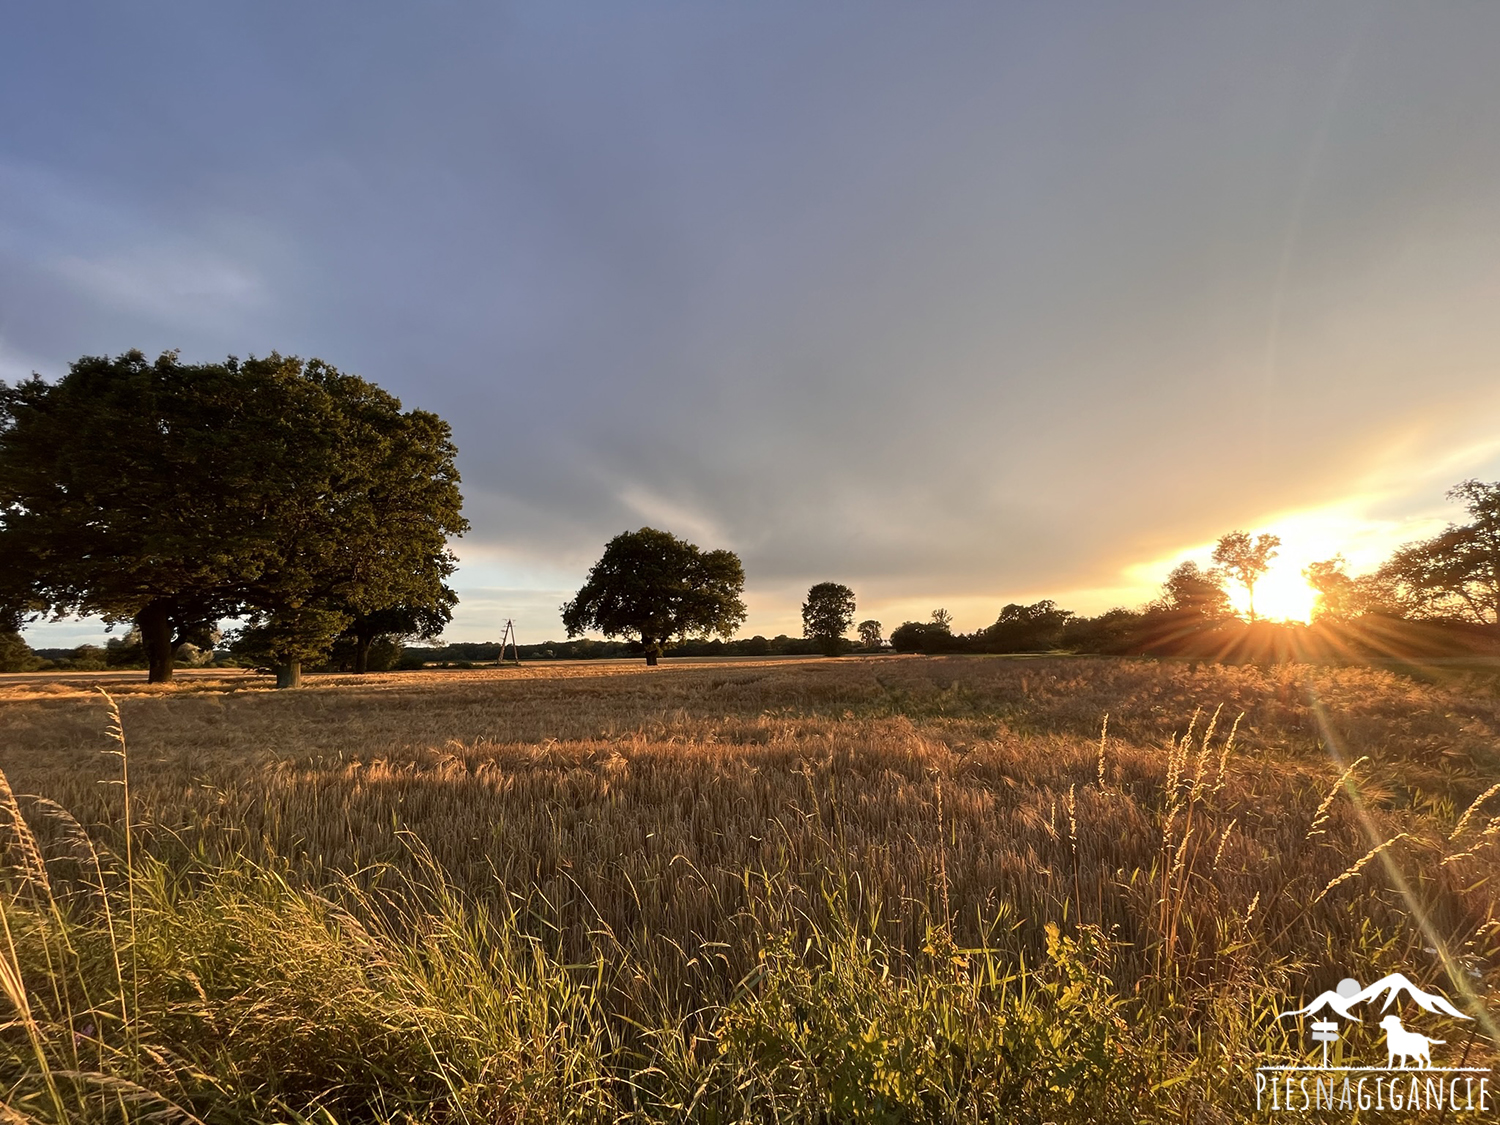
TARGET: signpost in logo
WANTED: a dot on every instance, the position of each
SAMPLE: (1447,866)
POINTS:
(1396,1085)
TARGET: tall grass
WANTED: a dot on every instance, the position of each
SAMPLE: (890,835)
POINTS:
(251,998)
(885,891)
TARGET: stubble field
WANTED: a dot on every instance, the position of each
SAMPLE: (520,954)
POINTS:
(862,889)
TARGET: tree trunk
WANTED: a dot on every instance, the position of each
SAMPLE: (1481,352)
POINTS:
(289,674)
(362,653)
(653,650)
(156,638)
(650,658)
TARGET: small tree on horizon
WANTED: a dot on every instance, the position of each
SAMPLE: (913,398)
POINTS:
(827,614)
(869,633)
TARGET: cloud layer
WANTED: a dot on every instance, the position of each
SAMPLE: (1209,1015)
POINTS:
(951,305)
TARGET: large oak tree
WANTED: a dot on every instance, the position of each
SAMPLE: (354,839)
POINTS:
(654,586)
(369,544)
(172,495)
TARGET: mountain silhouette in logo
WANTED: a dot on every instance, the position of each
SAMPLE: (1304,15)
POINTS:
(1394,985)
(1329,999)
(1391,987)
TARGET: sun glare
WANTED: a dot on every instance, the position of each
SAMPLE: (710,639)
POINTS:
(1307,535)
(1282,594)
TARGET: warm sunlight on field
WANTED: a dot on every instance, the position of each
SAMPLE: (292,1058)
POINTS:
(589,893)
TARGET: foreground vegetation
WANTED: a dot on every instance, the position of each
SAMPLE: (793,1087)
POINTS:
(902,889)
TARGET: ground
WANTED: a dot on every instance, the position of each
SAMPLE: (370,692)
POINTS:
(1205,830)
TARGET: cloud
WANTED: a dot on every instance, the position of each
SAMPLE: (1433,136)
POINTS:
(166,285)
(961,306)
(82,264)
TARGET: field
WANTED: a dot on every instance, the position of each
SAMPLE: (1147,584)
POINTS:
(891,889)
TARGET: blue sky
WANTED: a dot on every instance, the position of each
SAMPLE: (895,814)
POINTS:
(958,304)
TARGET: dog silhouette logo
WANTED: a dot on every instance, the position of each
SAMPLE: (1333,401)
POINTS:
(1403,1044)
(1409,1080)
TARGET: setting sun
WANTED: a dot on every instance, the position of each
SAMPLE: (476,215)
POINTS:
(1282,594)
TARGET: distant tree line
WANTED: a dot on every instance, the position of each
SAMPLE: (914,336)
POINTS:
(488,652)
(308,505)
(122,653)
(1435,597)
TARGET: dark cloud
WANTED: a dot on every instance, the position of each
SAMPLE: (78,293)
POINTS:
(972,301)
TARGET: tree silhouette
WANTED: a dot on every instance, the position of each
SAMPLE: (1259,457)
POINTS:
(1337,592)
(1455,575)
(1245,559)
(1027,628)
(1192,591)
(827,614)
(869,633)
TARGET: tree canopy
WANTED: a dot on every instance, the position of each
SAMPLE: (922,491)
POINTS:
(1455,575)
(1245,559)
(1027,628)
(404,622)
(827,614)
(172,495)
(1191,590)
(654,586)
(1338,593)
(371,546)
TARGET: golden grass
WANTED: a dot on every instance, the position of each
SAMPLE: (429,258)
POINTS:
(637,815)
(635,800)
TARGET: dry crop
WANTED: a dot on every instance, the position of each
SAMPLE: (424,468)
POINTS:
(885,889)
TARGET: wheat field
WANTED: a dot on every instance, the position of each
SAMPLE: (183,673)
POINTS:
(659,865)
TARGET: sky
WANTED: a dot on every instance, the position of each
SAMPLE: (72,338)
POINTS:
(958,304)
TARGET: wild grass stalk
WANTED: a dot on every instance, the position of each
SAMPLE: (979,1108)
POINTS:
(1359,865)
(1320,817)
(1473,810)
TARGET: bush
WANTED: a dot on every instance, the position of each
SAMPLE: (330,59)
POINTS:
(16,654)
(126,651)
(924,636)
(832,1033)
